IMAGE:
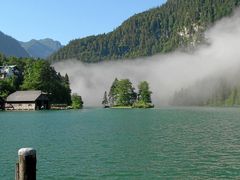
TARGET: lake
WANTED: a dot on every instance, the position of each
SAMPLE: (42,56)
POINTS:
(94,143)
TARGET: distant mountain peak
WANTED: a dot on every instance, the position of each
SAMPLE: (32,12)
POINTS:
(41,48)
(11,47)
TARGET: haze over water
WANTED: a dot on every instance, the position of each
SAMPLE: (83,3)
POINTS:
(165,73)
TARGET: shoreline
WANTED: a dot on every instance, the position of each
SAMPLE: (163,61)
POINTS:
(121,107)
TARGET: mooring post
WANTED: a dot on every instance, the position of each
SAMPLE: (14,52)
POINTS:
(17,171)
(26,166)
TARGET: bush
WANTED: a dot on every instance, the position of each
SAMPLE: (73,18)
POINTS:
(77,102)
(141,104)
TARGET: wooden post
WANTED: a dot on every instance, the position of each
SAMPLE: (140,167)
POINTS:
(26,166)
(17,171)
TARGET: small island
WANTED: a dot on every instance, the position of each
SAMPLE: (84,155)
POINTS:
(122,95)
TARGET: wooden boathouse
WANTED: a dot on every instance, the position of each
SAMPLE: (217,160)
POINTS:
(27,100)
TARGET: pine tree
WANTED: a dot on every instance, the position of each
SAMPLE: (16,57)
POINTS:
(125,93)
(105,100)
(144,94)
(112,93)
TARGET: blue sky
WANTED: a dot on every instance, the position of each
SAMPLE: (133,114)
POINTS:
(65,20)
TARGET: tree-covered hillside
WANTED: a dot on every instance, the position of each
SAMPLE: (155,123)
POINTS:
(223,90)
(176,24)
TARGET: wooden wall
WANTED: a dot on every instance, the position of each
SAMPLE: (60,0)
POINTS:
(20,106)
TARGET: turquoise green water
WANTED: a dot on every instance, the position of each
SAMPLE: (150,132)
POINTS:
(168,143)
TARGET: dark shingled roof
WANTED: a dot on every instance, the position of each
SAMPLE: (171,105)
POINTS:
(27,96)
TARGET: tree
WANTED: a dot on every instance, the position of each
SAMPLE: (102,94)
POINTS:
(39,75)
(125,93)
(67,89)
(2,59)
(144,94)
(113,93)
(105,99)
(77,102)
(6,88)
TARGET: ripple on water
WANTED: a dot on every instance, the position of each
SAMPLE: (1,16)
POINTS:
(168,143)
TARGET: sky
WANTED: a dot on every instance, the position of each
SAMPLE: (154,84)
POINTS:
(65,20)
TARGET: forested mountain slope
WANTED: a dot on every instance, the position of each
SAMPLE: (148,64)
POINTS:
(213,91)
(176,24)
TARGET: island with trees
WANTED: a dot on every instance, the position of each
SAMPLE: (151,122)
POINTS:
(122,95)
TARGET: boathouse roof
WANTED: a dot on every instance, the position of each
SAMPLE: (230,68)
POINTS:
(24,96)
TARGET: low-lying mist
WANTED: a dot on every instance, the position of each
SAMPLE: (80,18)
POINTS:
(166,74)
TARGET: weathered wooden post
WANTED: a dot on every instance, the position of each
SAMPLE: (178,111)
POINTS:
(26,166)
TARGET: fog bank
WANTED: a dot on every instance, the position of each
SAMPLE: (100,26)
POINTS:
(165,73)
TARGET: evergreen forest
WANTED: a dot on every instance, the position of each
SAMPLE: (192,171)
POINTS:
(176,24)
(214,91)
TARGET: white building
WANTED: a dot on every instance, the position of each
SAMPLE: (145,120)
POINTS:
(8,71)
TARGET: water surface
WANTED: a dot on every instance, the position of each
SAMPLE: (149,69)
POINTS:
(167,143)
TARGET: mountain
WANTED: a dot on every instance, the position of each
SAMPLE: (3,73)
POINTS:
(11,47)
(176,24)
(41,48)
